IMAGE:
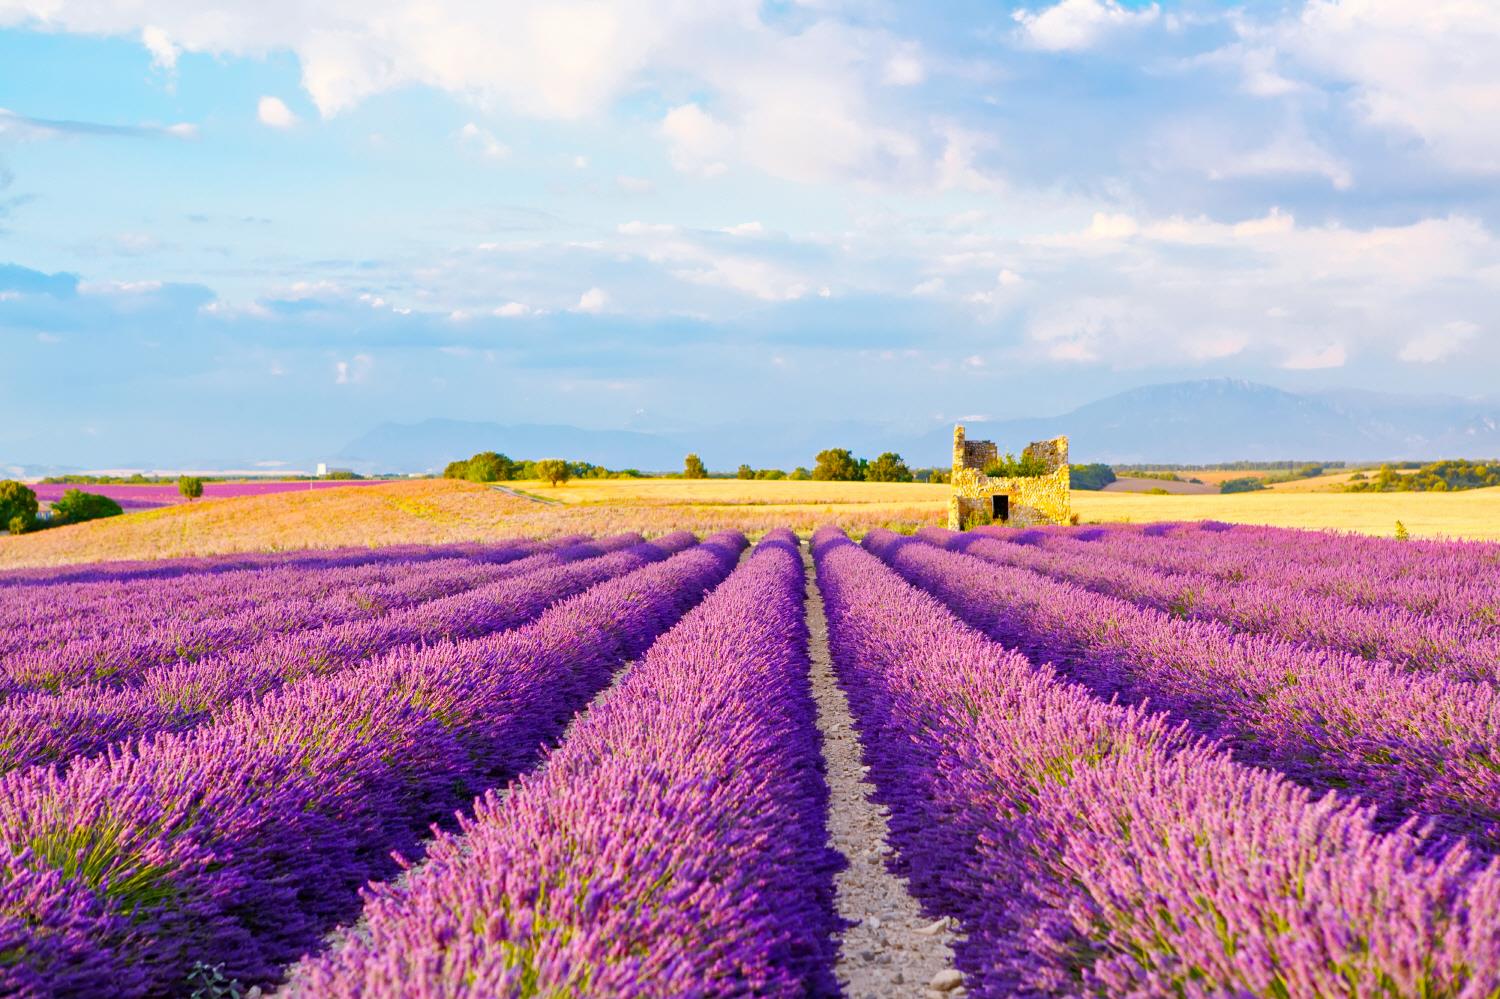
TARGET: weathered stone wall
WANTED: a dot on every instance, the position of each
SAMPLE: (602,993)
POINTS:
(1054,452)
(1033,500)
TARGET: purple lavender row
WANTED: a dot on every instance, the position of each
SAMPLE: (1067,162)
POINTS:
(1089,848)
(1411,744)
(121,660)
(674,845)
(1462,649)
(241,843)
(74,602)
(38,580)
(1220,559)
(212,589)
(1475,561)
(45,729)
(60,653)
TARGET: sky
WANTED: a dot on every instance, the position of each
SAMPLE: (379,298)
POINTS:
(256,230)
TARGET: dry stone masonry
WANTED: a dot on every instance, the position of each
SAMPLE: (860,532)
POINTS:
(1019,502)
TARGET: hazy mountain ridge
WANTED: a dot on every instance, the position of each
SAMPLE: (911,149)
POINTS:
(1194,422)
(1190,422)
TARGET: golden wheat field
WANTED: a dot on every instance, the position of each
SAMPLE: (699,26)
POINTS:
(1471,514)
(440,510)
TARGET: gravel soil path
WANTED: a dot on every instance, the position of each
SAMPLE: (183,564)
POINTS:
(890,947)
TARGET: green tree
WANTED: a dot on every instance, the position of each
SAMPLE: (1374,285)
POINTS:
(456,470)
(1248,484)
(836,464)
(75,506)
(190,486)
(769,473)
(489,466)
(800,474)
(888,468)
(745,472)
(1008,466)
(554,470)
(1094,476)
(17,506)
(693,468)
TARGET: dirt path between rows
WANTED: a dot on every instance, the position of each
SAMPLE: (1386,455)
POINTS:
(892,949)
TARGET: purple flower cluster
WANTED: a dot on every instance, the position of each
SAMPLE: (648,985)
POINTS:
(40,585)
(1411,744)
(674,844)
(241,842)
(1446,579)
(113,639)
(1425,624)
(44,728)
(1092,848)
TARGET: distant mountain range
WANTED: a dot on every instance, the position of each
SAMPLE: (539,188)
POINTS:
(1190,422)
(1196,422)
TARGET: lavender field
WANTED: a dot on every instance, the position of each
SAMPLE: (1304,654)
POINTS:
(1170,759)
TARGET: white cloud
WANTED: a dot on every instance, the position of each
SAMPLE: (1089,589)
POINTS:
(699,143)
(635,185)
(592,301)
(1332,356)
(273,113)
(1075,25)
(804,102)
(1112,226)
(163,52)
(514,310)
(904,70)
(354,370)
(1439,343)
(483,140)
(1424,69)
(698,258)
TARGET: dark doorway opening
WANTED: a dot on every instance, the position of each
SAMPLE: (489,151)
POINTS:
(1001,511)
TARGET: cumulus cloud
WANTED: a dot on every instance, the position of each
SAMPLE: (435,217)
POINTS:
(159,44)
(273,113)
(699,142)
(1439,343)
(593,301)
(1075,25)
(795,102)
(1426,70)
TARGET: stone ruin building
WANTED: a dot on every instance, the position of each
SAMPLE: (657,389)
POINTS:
(1018,502)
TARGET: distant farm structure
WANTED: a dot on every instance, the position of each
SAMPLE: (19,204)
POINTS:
(1040,495)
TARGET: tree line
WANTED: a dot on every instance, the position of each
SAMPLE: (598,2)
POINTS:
(20,512)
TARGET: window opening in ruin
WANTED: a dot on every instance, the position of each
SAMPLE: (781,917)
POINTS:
(1001,512)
